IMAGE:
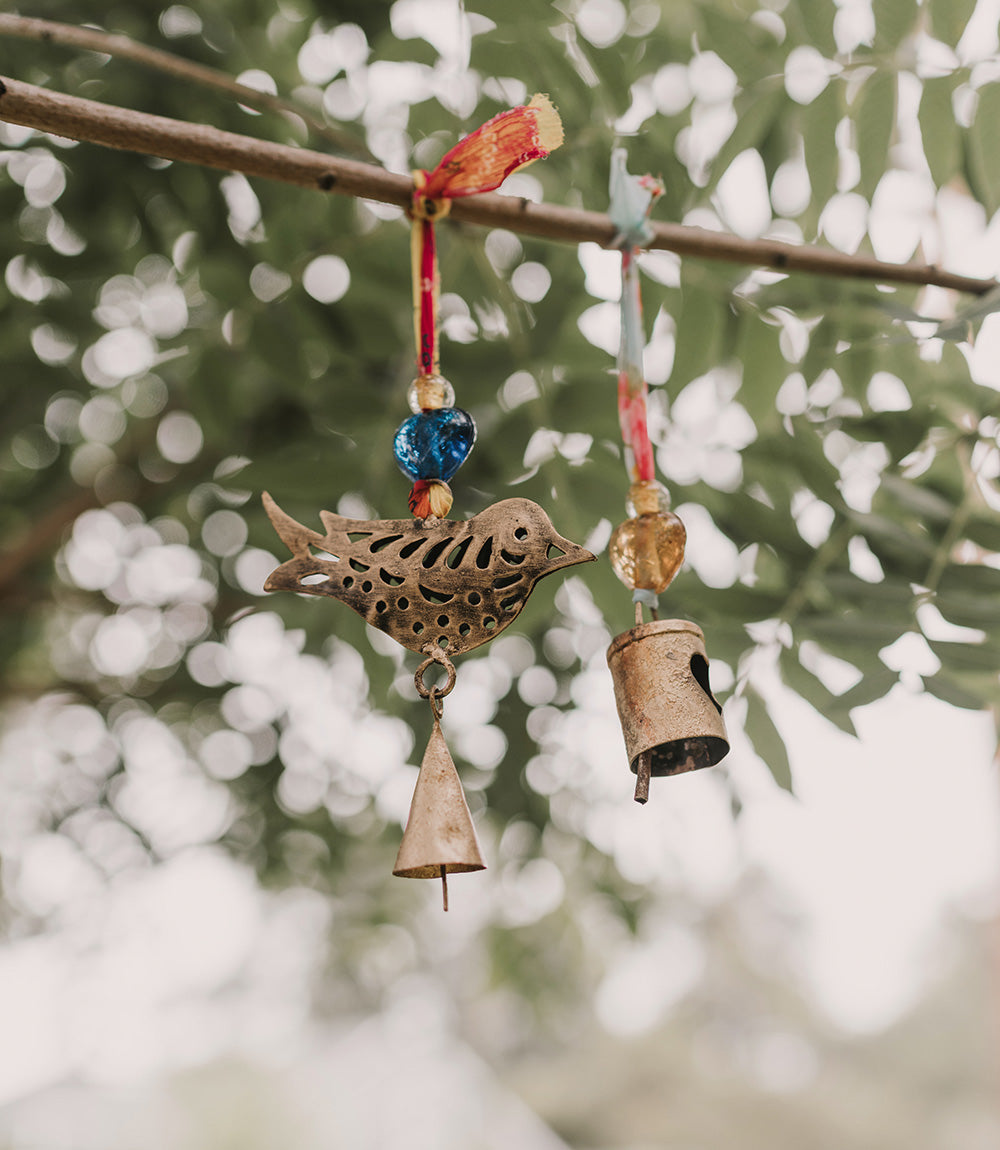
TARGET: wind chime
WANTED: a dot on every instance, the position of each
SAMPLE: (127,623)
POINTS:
(437,586)
(670,719)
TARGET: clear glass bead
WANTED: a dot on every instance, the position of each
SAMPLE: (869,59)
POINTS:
(647,497)
(428,392)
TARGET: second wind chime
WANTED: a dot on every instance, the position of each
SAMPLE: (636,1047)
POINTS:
(442,587)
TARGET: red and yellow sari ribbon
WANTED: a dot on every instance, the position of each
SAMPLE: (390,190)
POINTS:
(478,163)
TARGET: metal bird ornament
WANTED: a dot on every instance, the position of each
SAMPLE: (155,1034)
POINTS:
(441,588)
(427,583)
(435,585)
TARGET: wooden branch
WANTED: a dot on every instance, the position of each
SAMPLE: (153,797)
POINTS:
(114,127)
(125,48)
(41,538)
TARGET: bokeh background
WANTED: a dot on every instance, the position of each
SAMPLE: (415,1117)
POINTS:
(202,789)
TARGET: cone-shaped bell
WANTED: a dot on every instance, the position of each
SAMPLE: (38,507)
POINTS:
(439,838)
(669,716)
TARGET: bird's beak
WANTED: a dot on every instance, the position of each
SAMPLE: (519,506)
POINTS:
(564,553)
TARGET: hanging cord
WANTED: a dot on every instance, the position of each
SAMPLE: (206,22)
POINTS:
(632,200)
(432,449)
(425,212)
(648,549)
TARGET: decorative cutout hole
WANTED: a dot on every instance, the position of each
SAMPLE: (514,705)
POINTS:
(354,536)
(348,582)
(410,548)
(699,668)
(380,606)
(443,620)
(434,553)
(521,533)
(390,579)
(402,603)
(507,581)
(489,623)
(475,598)
(434,596)
(510,603)
(312,580)
(485,554)
(464,630)
(511,557)
(367,585)
(319,553)
(442,641)
(554,552)
(359,566)
(381,544)
(456,556)
(417,628)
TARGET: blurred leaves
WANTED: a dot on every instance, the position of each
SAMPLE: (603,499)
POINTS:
(819,125)
(949,18)
(983,153)
(766,739)
(874,114)
(824,453)
(939,132)
(894,20)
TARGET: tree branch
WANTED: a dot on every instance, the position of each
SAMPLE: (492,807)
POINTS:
(41,538)
(123,47)
(114,127)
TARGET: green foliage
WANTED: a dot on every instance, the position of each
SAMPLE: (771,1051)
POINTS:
(838,514)
(949,18)
(894,20)
(819,125)
(983,153)
(874,113)
(938,130)
(767,740)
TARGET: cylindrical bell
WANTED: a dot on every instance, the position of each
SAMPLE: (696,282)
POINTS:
(439,838)
(670,719)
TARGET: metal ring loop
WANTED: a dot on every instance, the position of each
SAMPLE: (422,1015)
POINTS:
(435,694)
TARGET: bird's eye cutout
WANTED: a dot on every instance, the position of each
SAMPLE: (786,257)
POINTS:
(521,533)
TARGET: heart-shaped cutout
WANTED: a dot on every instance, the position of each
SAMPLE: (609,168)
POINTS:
(434,444)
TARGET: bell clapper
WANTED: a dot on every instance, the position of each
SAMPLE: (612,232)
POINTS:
(642,772)
(444,886)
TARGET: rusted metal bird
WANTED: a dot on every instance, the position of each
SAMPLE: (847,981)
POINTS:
(432,583)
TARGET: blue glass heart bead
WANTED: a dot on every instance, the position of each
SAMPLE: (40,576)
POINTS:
(434,444)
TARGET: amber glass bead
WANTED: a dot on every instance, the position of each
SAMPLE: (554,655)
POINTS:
(647,551)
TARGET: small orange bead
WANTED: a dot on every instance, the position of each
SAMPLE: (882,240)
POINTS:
(430,499)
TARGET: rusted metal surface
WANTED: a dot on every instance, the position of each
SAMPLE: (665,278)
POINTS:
(670,719)
(429,584)
(440,837)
